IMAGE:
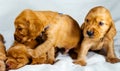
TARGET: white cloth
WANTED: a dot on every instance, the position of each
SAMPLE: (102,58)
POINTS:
(78,9)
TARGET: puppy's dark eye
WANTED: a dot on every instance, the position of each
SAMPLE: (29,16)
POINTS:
(19,29)
(87,20)
(101,23)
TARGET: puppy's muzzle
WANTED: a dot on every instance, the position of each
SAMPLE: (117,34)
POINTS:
(90,33)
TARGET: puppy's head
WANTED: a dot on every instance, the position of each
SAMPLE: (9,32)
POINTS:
(98,23)
(16,56)
(27,26)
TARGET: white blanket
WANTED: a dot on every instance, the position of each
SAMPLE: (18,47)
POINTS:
(78,9)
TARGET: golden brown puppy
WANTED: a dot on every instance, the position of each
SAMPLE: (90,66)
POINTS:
(98,31)
(53,28)
(17,55)
(62,30)
(2,54)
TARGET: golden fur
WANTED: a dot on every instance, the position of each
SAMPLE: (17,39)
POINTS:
(17,55)
(56,30)
(98,34)
(2,54)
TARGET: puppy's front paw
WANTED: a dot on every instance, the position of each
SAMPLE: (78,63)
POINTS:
(112,60)
(80,62)
(2,65)
(32,53)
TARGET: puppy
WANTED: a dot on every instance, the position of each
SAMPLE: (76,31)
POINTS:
(35,27)
(61,31)
(17,55)
(2,54)
(98,33)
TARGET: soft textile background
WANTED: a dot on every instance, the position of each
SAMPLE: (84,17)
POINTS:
(9,9)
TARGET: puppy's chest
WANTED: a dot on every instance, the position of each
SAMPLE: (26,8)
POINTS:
(97,45)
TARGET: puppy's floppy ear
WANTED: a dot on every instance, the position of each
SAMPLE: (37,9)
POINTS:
(112,31)
(83,26)
(35,24)
(35,28)
(29,18)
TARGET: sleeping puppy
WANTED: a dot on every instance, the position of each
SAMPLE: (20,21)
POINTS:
(17,55)
(53,28)
(98,34)
(2,54)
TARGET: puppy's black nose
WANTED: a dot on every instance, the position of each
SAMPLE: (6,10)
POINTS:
(90,33)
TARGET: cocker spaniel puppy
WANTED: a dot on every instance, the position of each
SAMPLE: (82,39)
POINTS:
(17,55)
(37,33)
(98,34)
(2,54)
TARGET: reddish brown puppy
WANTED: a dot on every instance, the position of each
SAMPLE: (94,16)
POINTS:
(57,30)
(99,32)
